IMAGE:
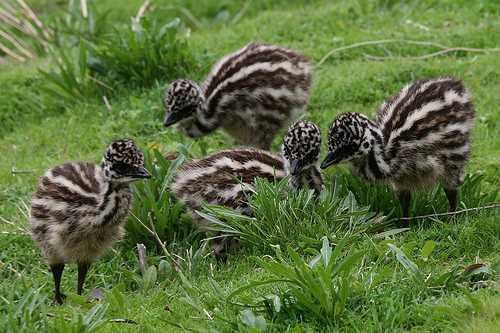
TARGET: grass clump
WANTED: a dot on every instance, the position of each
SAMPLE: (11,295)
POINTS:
(137,55)
(283,217)
(69,27)
(143,53)
(474,192)
(25,314)
(157,208)
(72,80)
(317,290)
(29,313)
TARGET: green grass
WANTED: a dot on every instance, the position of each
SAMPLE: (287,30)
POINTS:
(383,295)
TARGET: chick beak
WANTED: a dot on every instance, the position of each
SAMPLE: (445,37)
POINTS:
(141,173)
(294,167)
(330,159)
(170,119)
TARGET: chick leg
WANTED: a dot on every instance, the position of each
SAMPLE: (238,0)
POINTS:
(452,195)
(83,267)
(404,200)
(57,270)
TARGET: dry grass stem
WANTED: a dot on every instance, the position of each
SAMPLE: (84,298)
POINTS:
(473,209)
(153,232)
(106,102)
(31,14)
(14,172)
(445,49)
(83,7)
(11,53)
(143,9)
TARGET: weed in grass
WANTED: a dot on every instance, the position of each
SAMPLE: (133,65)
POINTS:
(92,321)
(381,198)
(25,314)
(472,276)
(137,55)
(283,217)
(29,313)
(319,290)
(316,290)
(70,26)
(143,53)
(155,205)
(73,80)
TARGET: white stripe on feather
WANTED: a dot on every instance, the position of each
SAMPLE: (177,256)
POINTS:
(450,97)
(248,70)
(195,172)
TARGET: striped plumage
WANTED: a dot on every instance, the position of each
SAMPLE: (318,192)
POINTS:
(79,208)
(420,137)
(250,94)
(226,178)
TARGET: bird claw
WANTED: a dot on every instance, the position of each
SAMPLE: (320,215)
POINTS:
(403,223)
(59,299)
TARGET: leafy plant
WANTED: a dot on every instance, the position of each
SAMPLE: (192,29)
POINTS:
(139,54)
(26,314)
(156,207)
(72,80)
(318,289)
(71,26)
(251,323)
(89,322)
(142,53)
(381,198)
(280,216)
(449,279)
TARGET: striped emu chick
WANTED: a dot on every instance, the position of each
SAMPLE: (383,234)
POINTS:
(250,94)
(79,209)
(420,137)
(301,148)
(226,178)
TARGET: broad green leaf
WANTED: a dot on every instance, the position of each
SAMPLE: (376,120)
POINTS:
(277,303)
(346,265)
(315,260)
(252,285)
(249,319)
(164,268)
(427,249)
(326,252)
(407,263)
